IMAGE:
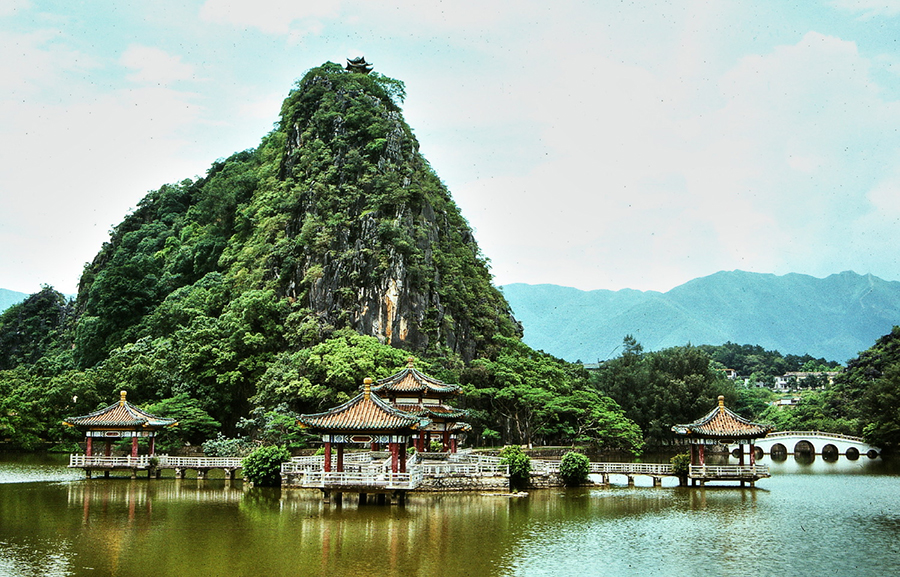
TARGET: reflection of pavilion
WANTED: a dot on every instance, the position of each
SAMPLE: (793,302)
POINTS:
(722,426)
(121,420)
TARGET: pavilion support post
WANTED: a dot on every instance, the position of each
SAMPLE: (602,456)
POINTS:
(402,451)
(453,445)
(702,455)
(108,450)
(89,447)
(446,441)
(327,456)
(741,453)
(153,445)
(395,457)
(752,454)
(340,457)
(373,447)
(134,447)
(421,442)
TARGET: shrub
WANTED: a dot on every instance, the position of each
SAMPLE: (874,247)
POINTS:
(681,464)
(519,466)
(263,466)
(223,446)
(574,469)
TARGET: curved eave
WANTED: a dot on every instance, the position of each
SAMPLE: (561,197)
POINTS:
(362,413)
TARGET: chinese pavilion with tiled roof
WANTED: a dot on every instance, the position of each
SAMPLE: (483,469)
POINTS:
(364,419)
(412,391)
(118,421)
(721,426)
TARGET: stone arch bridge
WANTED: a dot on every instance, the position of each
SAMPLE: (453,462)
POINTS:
(816,443)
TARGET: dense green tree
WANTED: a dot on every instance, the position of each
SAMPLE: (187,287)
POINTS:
(660,389)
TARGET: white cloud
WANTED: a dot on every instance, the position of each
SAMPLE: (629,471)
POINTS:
(270,16)
(155,66)
(9,7)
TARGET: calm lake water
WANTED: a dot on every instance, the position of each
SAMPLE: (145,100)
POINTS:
(838,519)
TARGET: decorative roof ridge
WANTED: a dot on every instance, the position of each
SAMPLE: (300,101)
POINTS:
(727,413)
(135,413)
(363,397)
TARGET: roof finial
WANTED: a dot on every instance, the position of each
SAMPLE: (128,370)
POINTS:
(722,402)
(367,387)
(410,362)
(122,397)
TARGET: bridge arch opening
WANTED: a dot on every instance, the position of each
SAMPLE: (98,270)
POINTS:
(804,453)
(778,452)
(872,454)
(804,448)
(830,452)
(852,453)
(757,453)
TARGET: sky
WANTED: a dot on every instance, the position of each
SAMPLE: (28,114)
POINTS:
(601,144)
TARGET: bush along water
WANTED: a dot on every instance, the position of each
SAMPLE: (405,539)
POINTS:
(263,466)
(519,466)
(574,469)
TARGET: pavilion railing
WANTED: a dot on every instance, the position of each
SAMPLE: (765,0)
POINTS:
(377,479)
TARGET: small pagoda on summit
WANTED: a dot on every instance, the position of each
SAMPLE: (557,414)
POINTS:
(721,426)
(364,419)
(412,391)
(121,420)
(359,64)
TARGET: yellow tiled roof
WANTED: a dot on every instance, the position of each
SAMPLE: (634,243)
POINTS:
(724,424)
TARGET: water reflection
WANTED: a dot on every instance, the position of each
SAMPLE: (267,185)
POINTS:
(810,517)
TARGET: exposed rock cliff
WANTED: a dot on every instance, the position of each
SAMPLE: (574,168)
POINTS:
(377,242)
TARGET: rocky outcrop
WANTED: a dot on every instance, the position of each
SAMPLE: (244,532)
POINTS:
(377,243)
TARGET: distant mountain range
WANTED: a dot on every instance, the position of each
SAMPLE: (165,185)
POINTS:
(835,317)
(8,298)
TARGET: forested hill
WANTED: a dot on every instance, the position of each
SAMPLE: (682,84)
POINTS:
(279,280)
(835,317)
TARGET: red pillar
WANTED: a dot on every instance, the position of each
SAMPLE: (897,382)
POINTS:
(340,457)
(152,445)
(446,441)
(373,446)
(402,451)
(741,453)
(134,446)
(453,445)
(108,450)
(702,454)
(752,454)
(327,457)
(395,457)
(89,447)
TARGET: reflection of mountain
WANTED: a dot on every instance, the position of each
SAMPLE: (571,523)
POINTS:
(835,317)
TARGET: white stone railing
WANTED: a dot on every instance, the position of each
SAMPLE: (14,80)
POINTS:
(162,462)
(728,471)
(542,466)
(820,434)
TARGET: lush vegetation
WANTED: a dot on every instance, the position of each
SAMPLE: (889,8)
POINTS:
(275,283)
(762,365)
